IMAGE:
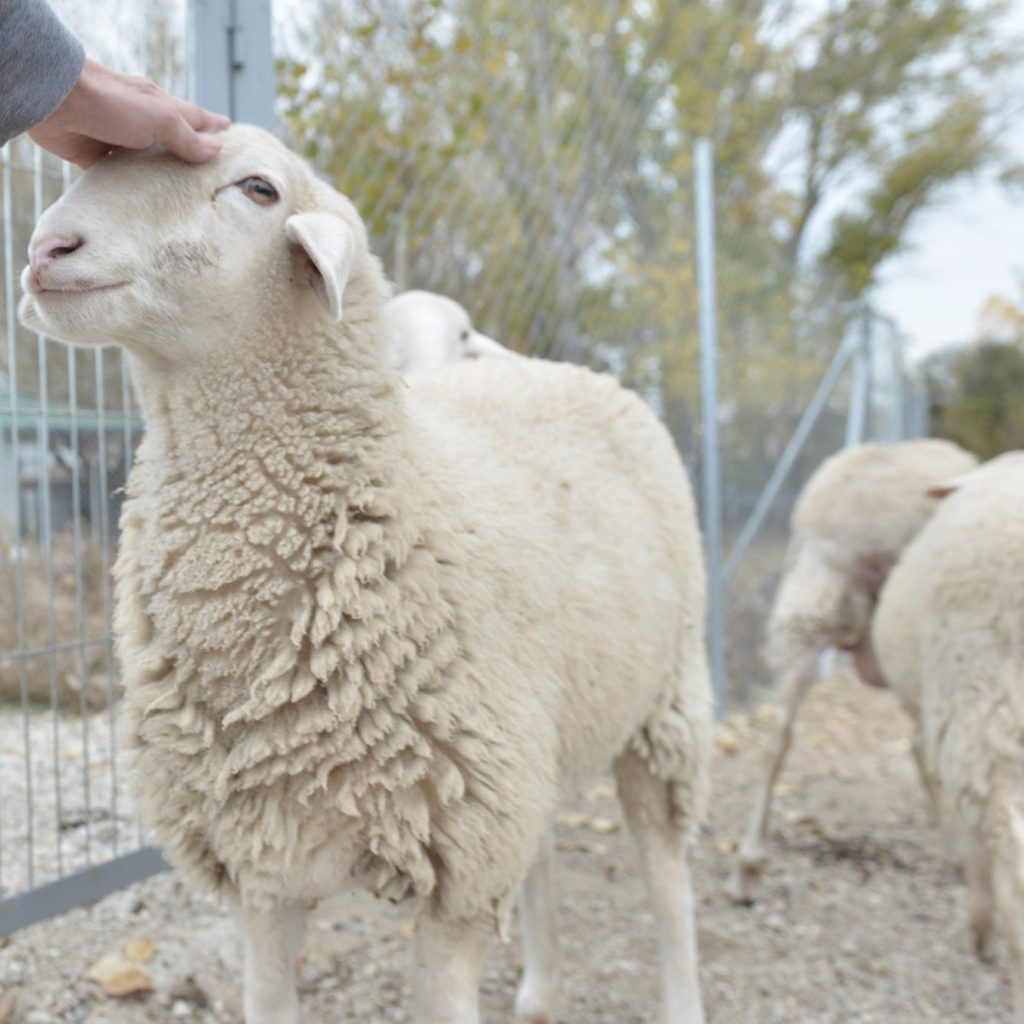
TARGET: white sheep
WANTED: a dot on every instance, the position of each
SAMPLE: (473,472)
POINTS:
(949,634)
(854,517)
(371,634)
(429,331)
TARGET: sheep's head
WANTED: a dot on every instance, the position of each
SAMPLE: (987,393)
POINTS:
(428,331)
(178,262)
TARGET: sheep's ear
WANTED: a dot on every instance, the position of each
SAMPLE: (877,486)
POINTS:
(326,251)
(954,483)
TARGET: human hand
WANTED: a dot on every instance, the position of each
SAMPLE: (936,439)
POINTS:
(106,110)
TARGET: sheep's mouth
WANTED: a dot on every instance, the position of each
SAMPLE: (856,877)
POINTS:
(95,289)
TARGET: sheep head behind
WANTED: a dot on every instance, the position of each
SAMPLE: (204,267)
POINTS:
(154,254)
(429,331)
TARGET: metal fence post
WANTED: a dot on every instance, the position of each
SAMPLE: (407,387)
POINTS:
(233,58)
(788,458)
(919,413)
(704,170)
(898,426)
(860,394)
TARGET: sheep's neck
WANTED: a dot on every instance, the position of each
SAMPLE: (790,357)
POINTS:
(271,496)
(204,422)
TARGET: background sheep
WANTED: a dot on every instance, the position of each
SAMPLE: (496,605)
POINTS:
(429,331)
(852,520)
(949,634)
(371,634)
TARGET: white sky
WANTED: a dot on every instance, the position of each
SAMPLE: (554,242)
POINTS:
(968,248)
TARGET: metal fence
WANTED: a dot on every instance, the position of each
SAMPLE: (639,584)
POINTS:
(501,175)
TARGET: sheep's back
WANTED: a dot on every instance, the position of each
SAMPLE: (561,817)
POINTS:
(580,525)
(870,500)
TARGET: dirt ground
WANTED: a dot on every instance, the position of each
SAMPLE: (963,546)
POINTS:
(861,919)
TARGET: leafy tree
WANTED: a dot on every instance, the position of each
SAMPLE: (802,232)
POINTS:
(977,397)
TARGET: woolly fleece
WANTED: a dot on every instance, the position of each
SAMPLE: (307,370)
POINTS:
(371,631)
(850,524)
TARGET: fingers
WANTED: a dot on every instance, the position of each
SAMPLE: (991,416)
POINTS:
(200,119)
(181,139)
(87,152)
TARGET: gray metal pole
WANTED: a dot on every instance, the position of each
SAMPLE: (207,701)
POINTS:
(233,59)
(704,169)
(788,457)
(899,427)
(860,394)
(919,425)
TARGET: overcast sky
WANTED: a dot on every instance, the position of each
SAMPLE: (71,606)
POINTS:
(968,248)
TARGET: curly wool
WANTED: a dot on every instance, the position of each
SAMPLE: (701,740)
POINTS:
(950,638)
(375,633)
(948,631)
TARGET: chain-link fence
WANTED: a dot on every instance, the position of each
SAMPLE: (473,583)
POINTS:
(68,429)
(863,394)
(530,160)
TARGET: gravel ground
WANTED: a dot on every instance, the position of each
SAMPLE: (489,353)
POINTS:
(861,920)
(74,801)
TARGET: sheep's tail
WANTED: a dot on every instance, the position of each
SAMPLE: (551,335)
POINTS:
(676,745)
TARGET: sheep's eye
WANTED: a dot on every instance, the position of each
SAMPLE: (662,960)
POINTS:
(259,190)
(464,336)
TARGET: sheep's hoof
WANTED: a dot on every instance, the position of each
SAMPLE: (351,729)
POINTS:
(983,942)
(745,878)
(533,1003)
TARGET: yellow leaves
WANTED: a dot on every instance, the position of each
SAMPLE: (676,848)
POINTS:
(1000,319)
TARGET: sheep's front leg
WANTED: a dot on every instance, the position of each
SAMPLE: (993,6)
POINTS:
(646,803)
(538,906)
(1009,884)
(449,961)
(272,941)
(752,856)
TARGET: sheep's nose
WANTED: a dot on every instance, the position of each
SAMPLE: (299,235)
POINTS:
(50,248)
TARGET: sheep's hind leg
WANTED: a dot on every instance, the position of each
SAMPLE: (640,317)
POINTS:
(449,961)
(272,941)
(1009,886)
(647,804)
(538,905)
(752,855)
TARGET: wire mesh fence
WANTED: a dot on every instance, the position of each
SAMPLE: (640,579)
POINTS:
(527,160)
(68,429)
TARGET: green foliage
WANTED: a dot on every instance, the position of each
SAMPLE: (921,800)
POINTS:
(535,162)
(953,145)
(977,397)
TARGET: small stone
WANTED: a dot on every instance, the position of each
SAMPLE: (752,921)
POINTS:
(40,1017)
(181,1009)
(139,951)
(726,741)
(571,820)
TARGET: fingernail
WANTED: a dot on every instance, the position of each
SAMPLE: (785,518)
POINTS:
(210,146)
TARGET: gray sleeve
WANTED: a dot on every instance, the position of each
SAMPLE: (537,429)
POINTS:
(40,60)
